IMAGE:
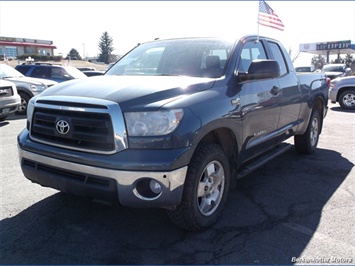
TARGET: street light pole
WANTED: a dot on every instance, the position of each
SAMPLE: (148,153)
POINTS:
(84,51)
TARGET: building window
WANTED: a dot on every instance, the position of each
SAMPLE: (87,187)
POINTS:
(1,52)
(30,50)
(11,51)
(42,52)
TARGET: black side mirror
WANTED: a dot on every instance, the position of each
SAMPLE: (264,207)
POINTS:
(261,69)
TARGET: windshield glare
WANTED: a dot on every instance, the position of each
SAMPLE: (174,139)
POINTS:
(186,57)
(7,72)
(74,72)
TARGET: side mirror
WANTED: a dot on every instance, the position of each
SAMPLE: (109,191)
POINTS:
(261,69)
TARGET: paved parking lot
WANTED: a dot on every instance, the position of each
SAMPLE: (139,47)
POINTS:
(296,209)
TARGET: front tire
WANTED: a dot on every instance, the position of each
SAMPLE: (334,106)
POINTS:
(22,108)
(347,100)
(307,143)
(205,190)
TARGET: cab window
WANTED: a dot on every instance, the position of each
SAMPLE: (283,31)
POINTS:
(252,50)
(278,56)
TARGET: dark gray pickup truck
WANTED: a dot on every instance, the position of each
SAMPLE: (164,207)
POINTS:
(173,124)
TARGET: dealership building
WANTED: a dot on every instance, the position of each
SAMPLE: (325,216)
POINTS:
(13,47)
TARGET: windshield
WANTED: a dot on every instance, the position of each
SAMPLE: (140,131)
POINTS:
(331,68)
(9,72)
(187,57)
(303,69)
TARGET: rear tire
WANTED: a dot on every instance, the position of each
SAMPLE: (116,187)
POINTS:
(347,100)
(205,190)
(307,143)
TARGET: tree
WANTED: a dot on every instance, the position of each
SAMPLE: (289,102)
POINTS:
(348,60)
(74,54)
(106,48)
(337,61)
(318,61)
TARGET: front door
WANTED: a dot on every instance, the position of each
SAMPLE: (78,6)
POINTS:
(260,105)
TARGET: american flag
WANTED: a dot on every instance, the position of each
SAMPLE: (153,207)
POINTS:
(268,18)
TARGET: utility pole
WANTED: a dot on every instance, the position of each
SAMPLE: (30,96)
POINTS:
(83,51)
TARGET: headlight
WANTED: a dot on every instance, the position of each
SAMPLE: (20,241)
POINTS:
(38,88)
(30,109)
(332,85)
(156,123)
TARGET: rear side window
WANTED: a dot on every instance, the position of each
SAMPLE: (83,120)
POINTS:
(278,56)
(58,73)
(41,72)
(23,69)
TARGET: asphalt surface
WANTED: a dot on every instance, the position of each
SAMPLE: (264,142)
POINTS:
(296,209)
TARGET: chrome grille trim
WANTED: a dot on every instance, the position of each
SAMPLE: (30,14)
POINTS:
(79,110)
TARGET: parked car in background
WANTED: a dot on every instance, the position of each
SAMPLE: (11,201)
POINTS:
(342,90)
(333,71)
(305,69)
(27,87)
(92,73)
(57,73)
(9,99)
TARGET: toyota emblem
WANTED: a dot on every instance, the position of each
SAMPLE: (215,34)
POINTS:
(62,127)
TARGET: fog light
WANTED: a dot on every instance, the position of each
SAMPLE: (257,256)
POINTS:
(155,186)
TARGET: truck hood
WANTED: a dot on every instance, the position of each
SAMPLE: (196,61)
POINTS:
(32,81)
(333,73)
(345,80)
(132,90)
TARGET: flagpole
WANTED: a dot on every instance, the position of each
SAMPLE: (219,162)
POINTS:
(257,40)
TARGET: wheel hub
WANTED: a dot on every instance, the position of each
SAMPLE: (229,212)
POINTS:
(349,100)
(210,189)
(314,132)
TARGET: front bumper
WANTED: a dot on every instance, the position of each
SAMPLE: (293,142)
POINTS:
(104,181)
(126,187)
(9,105)
(333,95)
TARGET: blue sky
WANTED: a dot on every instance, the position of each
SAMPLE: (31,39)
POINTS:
(80,24)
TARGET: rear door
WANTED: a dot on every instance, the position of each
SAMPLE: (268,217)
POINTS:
(290,94)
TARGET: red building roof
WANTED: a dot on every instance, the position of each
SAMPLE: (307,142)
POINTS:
(28,44)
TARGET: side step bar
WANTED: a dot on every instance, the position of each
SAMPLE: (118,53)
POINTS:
(263,159)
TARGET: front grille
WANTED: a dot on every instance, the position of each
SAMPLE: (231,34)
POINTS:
(88,130)
(6,92)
